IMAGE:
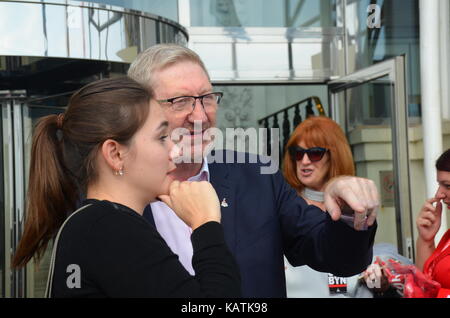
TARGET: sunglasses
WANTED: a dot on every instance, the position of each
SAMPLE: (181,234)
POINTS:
(314,154)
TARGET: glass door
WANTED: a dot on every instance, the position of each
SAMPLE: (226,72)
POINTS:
(19,114)
(12,181)
(3,232)
(33,110)
(371,107)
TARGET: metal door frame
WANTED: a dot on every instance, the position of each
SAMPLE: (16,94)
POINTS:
(395,70)
(14,188)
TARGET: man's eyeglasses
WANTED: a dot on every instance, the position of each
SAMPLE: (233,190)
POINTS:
(186,104)
(314,154)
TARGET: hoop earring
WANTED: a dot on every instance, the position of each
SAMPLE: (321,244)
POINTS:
(119,172)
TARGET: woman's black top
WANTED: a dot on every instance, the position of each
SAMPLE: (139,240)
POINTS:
(109,250)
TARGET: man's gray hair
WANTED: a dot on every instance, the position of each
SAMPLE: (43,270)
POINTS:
(158,57)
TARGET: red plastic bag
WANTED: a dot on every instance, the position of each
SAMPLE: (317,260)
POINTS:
(409,281)
(444,293)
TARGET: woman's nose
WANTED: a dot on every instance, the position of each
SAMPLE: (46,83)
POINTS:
(441,192)
(174,152)
(305,159)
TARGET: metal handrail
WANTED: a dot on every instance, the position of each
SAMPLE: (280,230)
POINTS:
(286,125)
(315,99)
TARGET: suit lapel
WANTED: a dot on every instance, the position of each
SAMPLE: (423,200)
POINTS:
(221,181)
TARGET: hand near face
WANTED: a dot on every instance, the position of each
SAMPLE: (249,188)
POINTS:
(429,219)
(359,194)
(195,203)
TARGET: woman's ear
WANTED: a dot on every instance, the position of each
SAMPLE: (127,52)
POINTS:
(111,152)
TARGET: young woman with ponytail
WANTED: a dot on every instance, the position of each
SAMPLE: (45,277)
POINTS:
(111,147)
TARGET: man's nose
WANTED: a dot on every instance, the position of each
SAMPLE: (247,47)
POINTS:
(198,113)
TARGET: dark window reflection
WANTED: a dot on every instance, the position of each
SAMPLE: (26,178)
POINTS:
(44,77)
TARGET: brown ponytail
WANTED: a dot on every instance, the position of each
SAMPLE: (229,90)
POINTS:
(63,155)
(51,191)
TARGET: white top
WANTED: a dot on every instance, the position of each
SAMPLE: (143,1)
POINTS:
(173,230)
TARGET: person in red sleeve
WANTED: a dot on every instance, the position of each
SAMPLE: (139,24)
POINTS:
(435,261)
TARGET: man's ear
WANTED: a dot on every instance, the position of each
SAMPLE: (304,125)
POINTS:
(112,153)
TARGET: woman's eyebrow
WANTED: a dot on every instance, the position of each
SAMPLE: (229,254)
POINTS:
(163,125)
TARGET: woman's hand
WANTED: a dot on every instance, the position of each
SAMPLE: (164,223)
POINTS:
(429,219)
(196,203)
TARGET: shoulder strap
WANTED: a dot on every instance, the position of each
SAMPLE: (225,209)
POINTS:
(48,290)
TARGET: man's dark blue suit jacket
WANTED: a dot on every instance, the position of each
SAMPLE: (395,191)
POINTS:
(265,218)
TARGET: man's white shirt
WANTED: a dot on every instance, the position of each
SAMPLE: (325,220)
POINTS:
(173,230)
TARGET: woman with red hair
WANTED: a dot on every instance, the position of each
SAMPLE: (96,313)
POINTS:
(316,152)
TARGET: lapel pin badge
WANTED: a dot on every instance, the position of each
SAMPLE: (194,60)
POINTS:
(224,203)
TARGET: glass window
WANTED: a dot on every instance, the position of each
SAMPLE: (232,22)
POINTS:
(16,39)
(263,13)
(164,8)
(242,106)
(398,34)
(251,57)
